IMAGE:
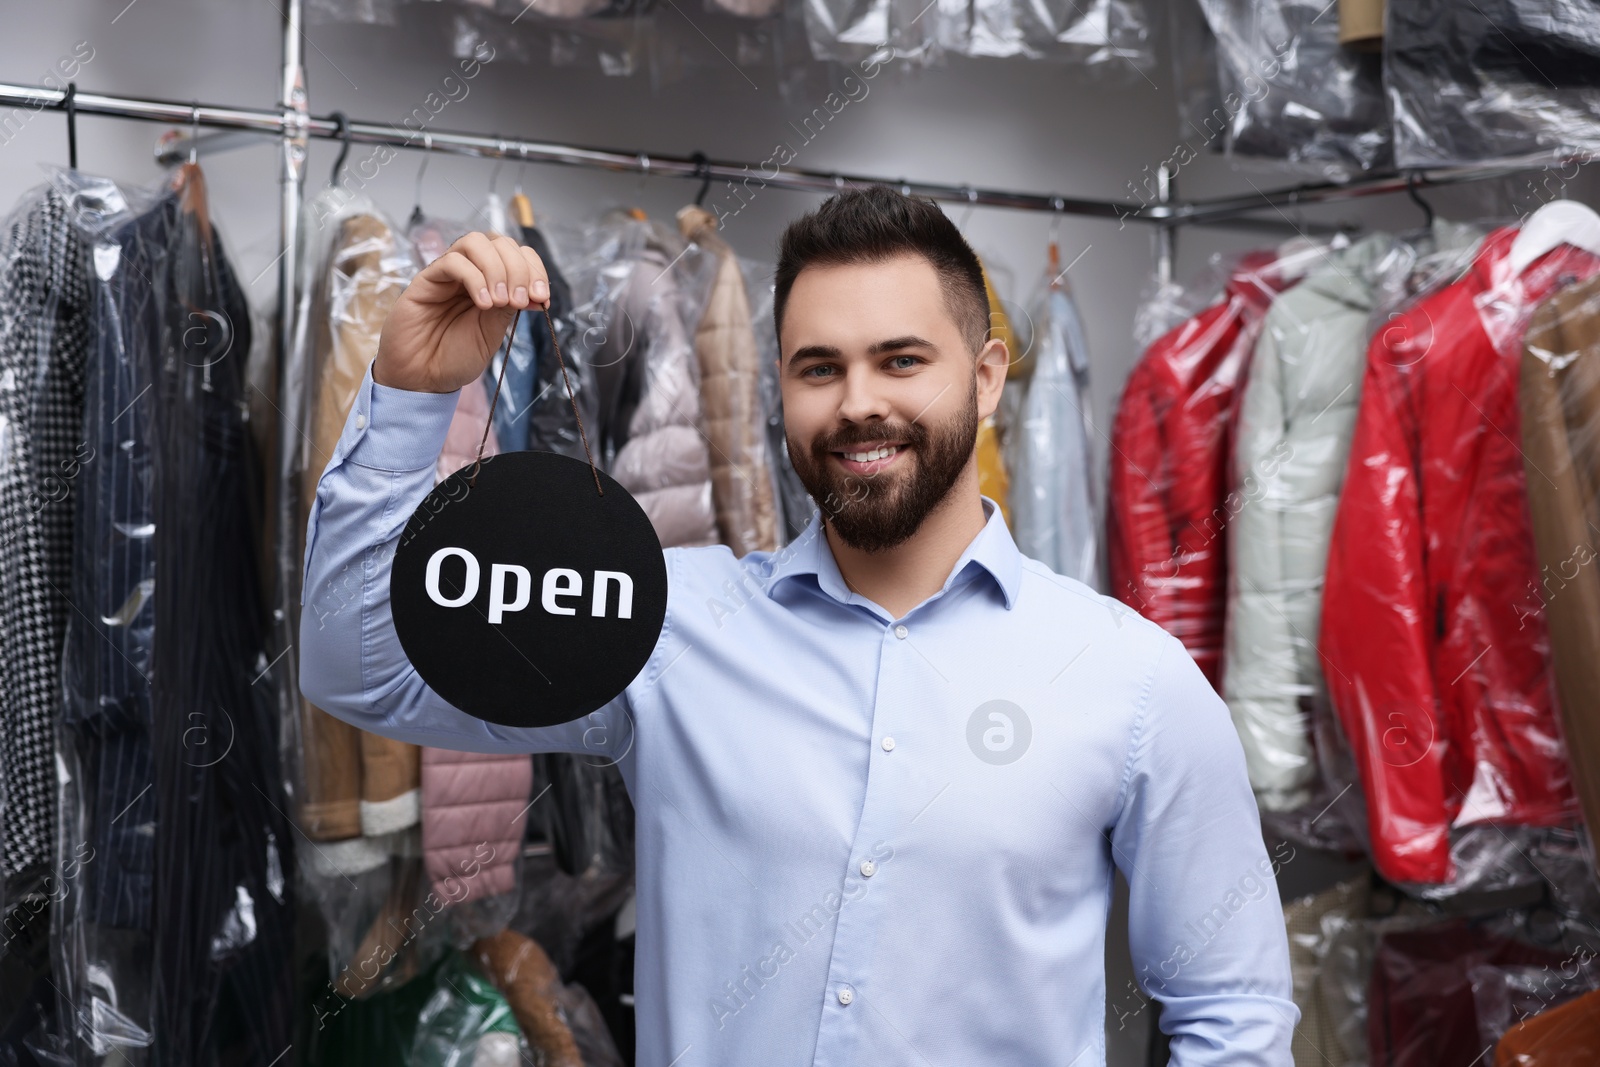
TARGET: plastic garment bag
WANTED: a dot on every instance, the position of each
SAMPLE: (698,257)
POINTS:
(177,934)
(561,1022)
(1297,410)
(552,424)
(1168,498)
(357,794)
(354,788)
(1113,34)
(1329,1032)
(1560,406)
(642,296)
(794,502)
(102,932)
(1054,514)
(1290,92)
(1513,997)
(1421,1010)
(1110,36)
(44,344)
(1433,637)
(466,1022)
(450,1015)
(850,31)
(731,399)
(1493,79)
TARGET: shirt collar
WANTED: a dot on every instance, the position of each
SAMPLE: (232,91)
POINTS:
(993,551)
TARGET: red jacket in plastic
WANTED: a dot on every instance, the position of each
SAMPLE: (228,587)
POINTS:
(1433,632)
(1170,445)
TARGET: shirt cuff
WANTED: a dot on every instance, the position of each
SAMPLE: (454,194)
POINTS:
(398,429)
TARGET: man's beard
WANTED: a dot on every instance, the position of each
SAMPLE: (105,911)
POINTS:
(873,512)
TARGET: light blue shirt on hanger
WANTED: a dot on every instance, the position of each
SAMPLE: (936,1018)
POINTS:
(862,839)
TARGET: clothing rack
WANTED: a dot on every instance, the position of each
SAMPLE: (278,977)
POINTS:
(293,123)
(293,126)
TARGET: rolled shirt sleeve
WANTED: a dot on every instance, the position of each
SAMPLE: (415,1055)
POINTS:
(351,662)
(1205,922)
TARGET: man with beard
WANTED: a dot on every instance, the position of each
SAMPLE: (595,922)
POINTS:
(883,775)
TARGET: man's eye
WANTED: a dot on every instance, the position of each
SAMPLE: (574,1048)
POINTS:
(807,372)
(913,359)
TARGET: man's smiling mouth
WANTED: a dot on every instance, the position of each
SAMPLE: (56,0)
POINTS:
(870,460)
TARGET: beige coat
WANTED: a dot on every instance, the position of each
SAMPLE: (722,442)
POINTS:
(357,784)
(730,400)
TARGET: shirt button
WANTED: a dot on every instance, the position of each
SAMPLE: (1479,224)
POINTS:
(361,421)
(888,744)
(901,631)
(846,994)
(868,868)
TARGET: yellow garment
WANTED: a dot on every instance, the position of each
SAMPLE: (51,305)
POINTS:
(522,211)
(992,480)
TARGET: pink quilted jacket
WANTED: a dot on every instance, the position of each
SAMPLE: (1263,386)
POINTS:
(474,804)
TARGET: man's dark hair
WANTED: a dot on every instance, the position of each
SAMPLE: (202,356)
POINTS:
(875,223)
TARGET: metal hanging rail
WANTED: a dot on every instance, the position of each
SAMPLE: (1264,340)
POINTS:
(274,122)
(294,121)
(299,125)
(1202,212)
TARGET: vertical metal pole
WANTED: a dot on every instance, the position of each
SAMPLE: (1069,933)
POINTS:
(1166,232)
(291,376)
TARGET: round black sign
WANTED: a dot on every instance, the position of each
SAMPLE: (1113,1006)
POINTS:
(527,598)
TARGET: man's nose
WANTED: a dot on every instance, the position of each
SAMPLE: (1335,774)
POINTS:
(864,399)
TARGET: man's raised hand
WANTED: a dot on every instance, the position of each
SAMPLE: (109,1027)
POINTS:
(449,322)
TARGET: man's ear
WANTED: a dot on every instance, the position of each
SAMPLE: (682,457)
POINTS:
(991,375)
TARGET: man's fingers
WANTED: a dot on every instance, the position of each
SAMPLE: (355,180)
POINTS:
(455,267)
(478,248)
(539,286)
(516,268)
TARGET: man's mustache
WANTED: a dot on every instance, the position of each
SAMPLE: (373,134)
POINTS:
(912,437)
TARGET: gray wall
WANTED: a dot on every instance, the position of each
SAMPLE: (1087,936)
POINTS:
(1008,124)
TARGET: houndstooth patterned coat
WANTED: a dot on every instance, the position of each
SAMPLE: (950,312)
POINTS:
(44,340)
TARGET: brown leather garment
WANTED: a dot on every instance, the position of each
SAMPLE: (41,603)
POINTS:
(1560,401)
(520,969)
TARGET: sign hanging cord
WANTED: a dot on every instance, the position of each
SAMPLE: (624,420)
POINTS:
(505,358)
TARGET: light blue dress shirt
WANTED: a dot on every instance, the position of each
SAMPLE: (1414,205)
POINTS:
(861,839)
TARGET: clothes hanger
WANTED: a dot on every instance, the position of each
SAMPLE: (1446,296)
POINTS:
(644,172)
(521,208)
(69,101)
(972,198)
(494,175)
(343,133)
(416,201)
(1560,222)
(702,168)
(1427,208)
(1053,250)
(495,211)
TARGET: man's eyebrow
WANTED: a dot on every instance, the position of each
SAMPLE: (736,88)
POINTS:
(908,341)
(874,349)
(814,352)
